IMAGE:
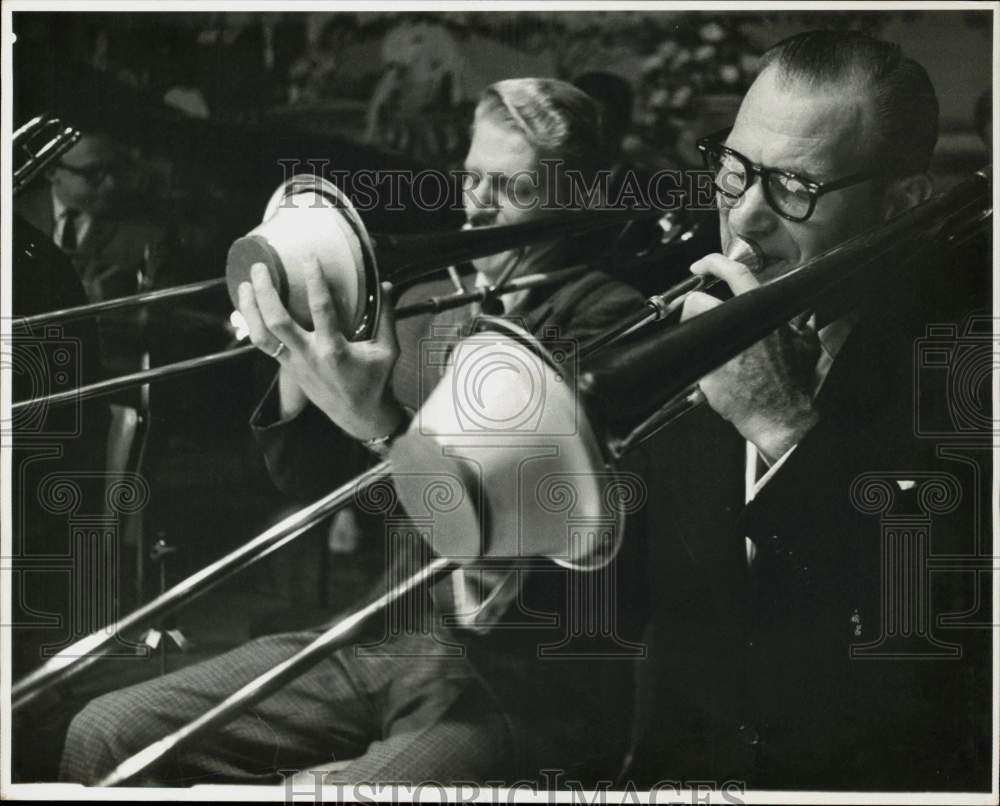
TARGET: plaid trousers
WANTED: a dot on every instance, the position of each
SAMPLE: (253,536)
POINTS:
(401,714)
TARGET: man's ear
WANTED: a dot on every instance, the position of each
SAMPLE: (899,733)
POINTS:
(906,193)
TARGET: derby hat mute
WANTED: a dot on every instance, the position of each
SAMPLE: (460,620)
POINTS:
(504,423)
(308,218)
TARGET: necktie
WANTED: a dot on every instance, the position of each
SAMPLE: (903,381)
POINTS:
(69,238)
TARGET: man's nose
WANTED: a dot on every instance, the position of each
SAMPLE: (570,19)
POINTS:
(751,214)
(480,204)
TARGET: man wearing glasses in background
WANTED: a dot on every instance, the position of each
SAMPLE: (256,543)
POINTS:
(93,212)
(763,608)
(82,210)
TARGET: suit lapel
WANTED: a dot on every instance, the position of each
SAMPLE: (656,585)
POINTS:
(90,261)
(100,233)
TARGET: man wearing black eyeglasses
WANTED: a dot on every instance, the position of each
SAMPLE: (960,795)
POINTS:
(773,662)
(808,164)
(81,209)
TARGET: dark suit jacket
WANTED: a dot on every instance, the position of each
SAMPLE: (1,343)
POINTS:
(781,674)
(108,262)
(113,251)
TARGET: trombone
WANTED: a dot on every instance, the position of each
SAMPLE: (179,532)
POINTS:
(40,141)
(676,356)
(401,259)
(434,304)
(689,351)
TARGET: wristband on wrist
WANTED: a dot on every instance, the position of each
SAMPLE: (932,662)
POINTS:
(380,445)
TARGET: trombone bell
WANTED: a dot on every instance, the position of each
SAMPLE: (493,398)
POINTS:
(501,461)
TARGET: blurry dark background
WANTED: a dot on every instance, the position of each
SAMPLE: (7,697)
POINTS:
(206,104)
(406,82)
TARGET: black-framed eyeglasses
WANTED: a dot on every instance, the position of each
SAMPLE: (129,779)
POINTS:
(94,174)
(791,196)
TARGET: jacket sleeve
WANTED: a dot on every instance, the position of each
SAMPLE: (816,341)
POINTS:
(306,455)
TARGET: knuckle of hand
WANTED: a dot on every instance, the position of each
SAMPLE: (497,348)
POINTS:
(698,302)
(280,321)
(322,354)
(329,351)
(321,303)
(700,266)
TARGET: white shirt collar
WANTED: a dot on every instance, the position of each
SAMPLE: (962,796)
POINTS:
(59,209)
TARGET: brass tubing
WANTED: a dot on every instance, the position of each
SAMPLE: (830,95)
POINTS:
(448,301)
(681,355)
(405,259)
(74,658)
(659,306)
(95,308)
(52,146)
(266,684)
(111,385)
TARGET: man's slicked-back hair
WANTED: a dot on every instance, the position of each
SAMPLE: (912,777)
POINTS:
(905,105)
(559,120)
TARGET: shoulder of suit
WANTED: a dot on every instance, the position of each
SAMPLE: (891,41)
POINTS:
(141,226)
(34,204)
(596,296)
(591,304)
(597,286)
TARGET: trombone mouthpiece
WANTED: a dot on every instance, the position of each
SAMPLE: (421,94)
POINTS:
(747,253)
